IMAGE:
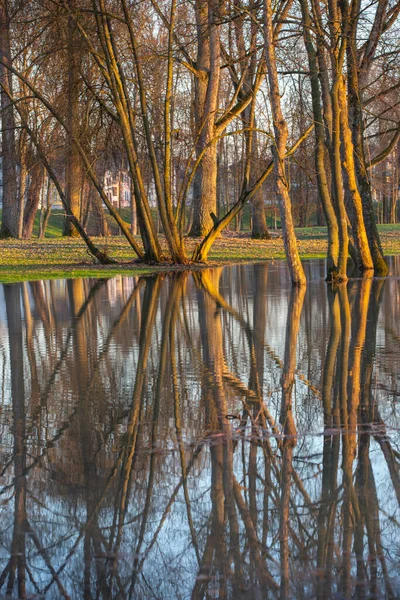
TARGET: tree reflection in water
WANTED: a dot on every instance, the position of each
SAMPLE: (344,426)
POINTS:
(215,435)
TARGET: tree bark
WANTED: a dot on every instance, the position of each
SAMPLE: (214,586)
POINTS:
(9,224)
(259,229)
(354,65)
(72,159)
(354,204)
(248,72)
(319,150)
(100,225)
(115,77)
(337,181)
(206,104)
(32,202)
(281,134)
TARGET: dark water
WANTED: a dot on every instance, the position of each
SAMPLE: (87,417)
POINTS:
(216,435)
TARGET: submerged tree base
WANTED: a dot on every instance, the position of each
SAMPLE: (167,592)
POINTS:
(334,277)
(380,267)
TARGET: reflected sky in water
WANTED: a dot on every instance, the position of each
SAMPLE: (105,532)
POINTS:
(202,435)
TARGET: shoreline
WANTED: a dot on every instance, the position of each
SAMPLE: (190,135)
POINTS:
(60,258)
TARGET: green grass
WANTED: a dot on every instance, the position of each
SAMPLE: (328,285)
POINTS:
(54,227)
(37,274)
(59,257)
(392,228)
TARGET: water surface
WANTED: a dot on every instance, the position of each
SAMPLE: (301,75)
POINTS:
(206,435)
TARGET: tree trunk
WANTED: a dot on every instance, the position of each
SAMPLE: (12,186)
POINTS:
(45,210)
(122,103)
(259,229)
(134,226)
(319,150)
(380,266)
(23,180)
(354,204)
(72,159)
(205,194)
(32,202)
(394,188)
(100,225)
(281,134)
(206,103)
(9,224)
(44,220)
(357,127)
(338,196)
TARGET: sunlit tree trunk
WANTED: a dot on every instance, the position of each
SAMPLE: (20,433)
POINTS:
(163,192)
(320,150)
(170,222)
(358,70)
(281,134)
(201,251)
(354,204)
(338,49)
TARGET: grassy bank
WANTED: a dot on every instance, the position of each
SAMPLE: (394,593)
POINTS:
(59,257)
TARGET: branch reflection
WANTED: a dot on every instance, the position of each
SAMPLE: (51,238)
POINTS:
(213,435)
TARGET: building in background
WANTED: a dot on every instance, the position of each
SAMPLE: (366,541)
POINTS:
(117,186)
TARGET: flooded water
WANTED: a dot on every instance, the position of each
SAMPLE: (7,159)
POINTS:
(207,435)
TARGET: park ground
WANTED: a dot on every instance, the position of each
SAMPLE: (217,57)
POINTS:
(58,257)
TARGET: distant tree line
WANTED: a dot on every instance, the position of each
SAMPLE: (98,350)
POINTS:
(209,105)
